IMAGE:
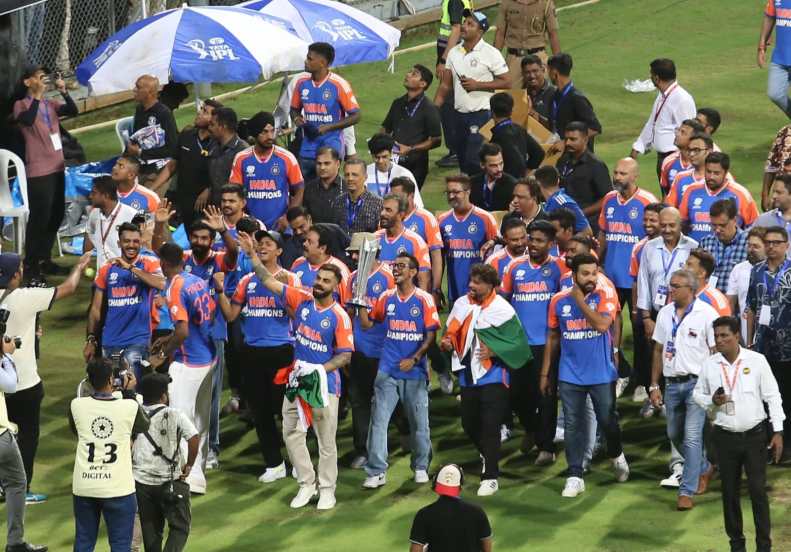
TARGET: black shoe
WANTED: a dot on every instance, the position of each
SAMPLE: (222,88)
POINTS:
(48,267)
(449,161)
(25,547)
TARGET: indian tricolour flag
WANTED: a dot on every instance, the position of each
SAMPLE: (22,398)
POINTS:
(307,384)
(495,324)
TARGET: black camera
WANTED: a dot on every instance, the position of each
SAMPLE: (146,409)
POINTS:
(4,314)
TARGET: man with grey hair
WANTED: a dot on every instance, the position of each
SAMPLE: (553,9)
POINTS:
(357,209)
(684,337)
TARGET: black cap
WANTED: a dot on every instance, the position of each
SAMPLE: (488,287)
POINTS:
(9,265)
(153,386)
(31,70)
(480,17)
(256,124)
(272,235)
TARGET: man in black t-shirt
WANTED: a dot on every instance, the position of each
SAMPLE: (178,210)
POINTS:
(450,524)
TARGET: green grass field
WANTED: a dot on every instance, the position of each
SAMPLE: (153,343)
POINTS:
(611,41)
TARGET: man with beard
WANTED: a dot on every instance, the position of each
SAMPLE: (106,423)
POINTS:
(539,88)
(727,242)
(321,191)
(128,282)
(101,231)
(699,197)
(395,239)
(529,282)
(233,203)
(515,238)
(492,189)
(411,322)
(780,215)
(269,174)
(140,198)
(323,345)
(223,128)
(191,162)
(580,321)
(317,254)
(268,346)
(739,278)
(678,161)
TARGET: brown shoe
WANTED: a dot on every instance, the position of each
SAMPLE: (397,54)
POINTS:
(705,477)
(684,503)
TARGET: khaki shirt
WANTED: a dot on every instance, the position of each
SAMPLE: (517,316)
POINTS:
(526,22)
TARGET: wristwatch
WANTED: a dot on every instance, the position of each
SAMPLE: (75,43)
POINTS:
(653,388)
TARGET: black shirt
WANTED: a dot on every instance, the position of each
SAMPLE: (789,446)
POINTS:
(157,115)
(220,165)
(542,102)
(520,150)
(500,196)
(572,106)
(586,180)
(413,121)
(192,155)
(451,525)
(540,215)
(318,199)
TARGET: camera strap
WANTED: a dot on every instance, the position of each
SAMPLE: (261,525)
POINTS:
(172,462)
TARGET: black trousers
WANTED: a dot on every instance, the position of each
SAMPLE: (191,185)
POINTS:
(537,413)
(24,409)
(746,451)
(418,165)
(265,399)
(46,195)
(233,355)
(782,372)
(482,411)
(154,511)
(361,392)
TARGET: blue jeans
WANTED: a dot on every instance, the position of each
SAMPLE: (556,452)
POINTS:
(132,355)
(216,395)
(777,86)
(413,393)
(590,431)
(577,438)
(119,517)
(469,140)
(685,421)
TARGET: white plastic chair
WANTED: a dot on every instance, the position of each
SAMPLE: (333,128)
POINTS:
(7,208)
(123,129)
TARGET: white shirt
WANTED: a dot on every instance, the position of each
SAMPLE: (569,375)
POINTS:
(24,304)
(150,469)
(738,284)
(378,181)
(755,384)
(483,63)
(657,265)
(103,231)
(685,354)
(670,109)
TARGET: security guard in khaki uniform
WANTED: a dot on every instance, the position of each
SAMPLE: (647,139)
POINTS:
(522,27)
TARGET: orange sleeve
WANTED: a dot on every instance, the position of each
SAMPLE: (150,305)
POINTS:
(101,277)
(552,316)
(672,196)
(609,303)
(296,96)
(378,311)
(240,295)
(346,97)
(683,208)
(507,285)
(294,297)
(491,226)
(602,218)
(236,170)
(294,173)
(344,340)
(422,256)
(430,314)
(344,289)
(634,264)
(770,8)
(749,210)
(151,265)
(178,311)
(433,236)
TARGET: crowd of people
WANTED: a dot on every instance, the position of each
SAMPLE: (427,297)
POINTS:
(313,284)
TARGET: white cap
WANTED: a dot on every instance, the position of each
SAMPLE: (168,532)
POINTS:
(449,480)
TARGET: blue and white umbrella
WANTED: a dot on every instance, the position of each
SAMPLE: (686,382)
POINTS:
(357,36)
(203,44)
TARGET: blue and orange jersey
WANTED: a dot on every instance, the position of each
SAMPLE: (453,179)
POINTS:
(189,301)
(780,11)
(698,199)
(307,272)
(406,242)
(530,288)
(462,239)
(622,224)
(265,319)
(214,262)
(369,342)
(499,260)
(323,103)
(268,181)
(716,299)
(129,302)
(140,198)
(406,321)
(671,166)
(425,225)
(561,200)
(586,355)
(679,185)
(321,332)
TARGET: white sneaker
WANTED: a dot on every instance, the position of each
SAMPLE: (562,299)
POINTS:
(271,475)
(212,461)
(294,472)
(505,433)
(620,386)
(560,435)
(375,481)
(421,476)
(304,496)
(574,486)
(488,487)
(621,467)
(545,458)
(326,499)
(359,462)
(673,481)
(640,394)
(446,383)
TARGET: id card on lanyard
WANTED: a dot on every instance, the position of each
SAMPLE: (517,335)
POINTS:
(382,188)
(103,234)
(670,346)
(770,284)
(729,384)
(352,211)
(54,134)
(660,299)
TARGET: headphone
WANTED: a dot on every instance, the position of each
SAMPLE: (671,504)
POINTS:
(436,475)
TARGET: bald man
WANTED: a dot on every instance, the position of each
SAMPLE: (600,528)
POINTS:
(154,137)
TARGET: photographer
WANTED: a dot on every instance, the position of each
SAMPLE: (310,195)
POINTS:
(102,483)
(12,471)
(20,306)
(160,470)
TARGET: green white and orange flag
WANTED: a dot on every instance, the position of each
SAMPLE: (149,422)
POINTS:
(307,384)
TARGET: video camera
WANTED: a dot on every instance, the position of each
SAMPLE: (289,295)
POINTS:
(4,314)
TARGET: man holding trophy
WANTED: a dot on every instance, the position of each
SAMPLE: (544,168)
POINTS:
(411,322)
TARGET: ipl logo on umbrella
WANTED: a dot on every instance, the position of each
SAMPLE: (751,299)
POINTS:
(217,49)
(338,29)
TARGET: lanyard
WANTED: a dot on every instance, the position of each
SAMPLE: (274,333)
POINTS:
(770,289)
(503,123)
(105,233)
(557,103)
(203,151)
(382,191)
(668,266)
(351,212)
(664,100)
(677,323)
(730,382)
(411,114)
(43,108)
